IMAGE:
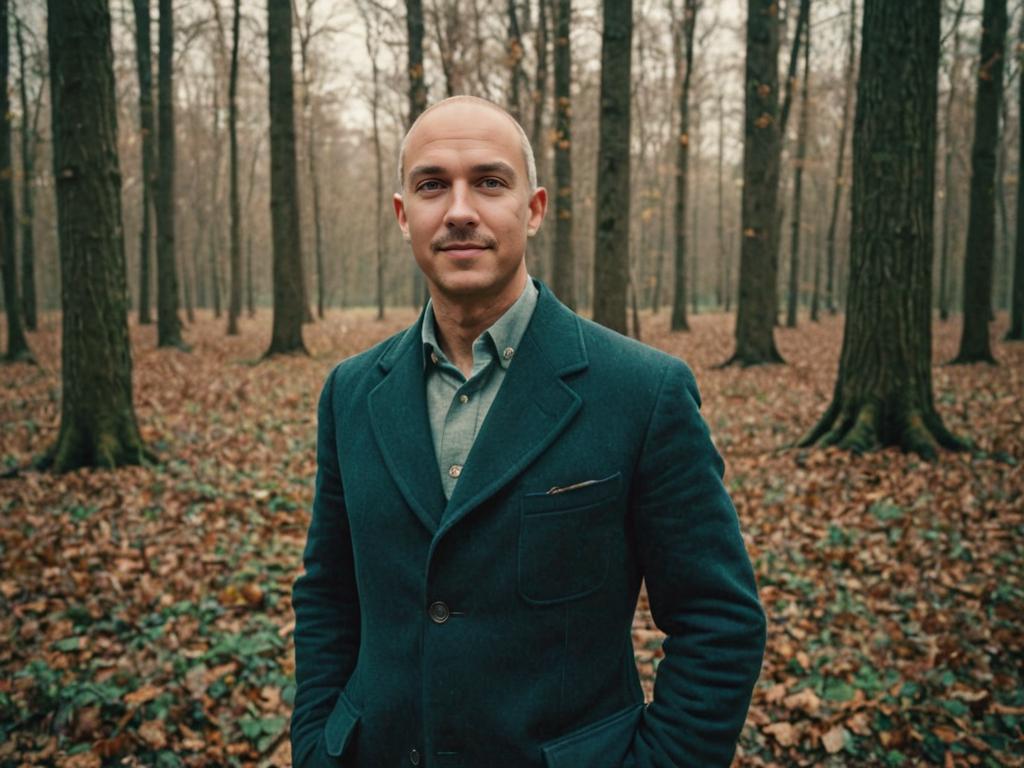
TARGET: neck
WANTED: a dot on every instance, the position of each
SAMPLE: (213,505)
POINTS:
(459,320)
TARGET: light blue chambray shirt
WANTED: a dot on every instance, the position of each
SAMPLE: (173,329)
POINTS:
(457,406)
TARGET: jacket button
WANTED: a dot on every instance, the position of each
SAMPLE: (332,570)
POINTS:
(414,757)
(439,612)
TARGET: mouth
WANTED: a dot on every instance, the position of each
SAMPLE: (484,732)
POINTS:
(463,250)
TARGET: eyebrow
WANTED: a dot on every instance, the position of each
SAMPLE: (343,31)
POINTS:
(496,167)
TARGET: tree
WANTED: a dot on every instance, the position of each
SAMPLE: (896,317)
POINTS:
(611,240)
(372,39)
(289,304)
(838,184)
(29,145)
(798,177)
(949,153)
(235,299)
(17,344)
(883,392)
(168,324)
(1016,330)
(755,315)
(514,59)
(97,425)
(417,103)
(144,68)
(974,341)
(563,257)
(682,48)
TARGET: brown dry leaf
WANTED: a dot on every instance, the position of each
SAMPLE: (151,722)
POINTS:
(806,699)
(153,733)
(784,733)
(143,694)
(834,739)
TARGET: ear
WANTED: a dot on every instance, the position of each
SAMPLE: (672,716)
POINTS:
(403,221)
(538,207)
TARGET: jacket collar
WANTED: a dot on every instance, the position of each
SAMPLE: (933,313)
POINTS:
(532,407)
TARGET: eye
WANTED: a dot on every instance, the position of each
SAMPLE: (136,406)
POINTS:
(492,183)
(430,185)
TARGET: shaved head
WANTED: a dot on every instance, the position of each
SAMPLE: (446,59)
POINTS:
(524,141)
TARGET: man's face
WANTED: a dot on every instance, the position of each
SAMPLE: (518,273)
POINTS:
(466,205)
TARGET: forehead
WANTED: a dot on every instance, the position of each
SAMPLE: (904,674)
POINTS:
(472,132)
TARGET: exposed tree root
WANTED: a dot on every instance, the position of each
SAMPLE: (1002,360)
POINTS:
(860,430)
(19,356)
(746,361)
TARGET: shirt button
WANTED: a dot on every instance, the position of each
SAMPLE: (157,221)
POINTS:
(507,354)
(454,470)
(439,612)
(433,358)
(414,757)
(463,399)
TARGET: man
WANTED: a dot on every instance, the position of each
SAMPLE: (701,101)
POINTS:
(492,485)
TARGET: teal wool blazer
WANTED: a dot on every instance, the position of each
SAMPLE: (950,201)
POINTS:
(494,628)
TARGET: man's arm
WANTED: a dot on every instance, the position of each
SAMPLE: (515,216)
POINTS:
(324,598)
(700,586)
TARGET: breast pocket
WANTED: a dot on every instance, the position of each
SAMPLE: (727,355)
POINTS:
(564,540)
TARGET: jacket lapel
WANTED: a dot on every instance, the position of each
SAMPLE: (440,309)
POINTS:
(398,414)
(532,407)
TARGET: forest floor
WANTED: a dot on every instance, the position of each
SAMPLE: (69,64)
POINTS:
(145,615)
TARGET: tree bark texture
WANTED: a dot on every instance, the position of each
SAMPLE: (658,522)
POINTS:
(683,55)
(1016,330)
(144,69)
(289,306)
(167,321)
(29,142)
(611,230)
(974,341)
(798,184)
(563,257)
(97,425)
(949,152)
(541,246)
(838,184)
(417,103)
(17,344)
(514,59)
(234,206)
(755,315)
(883,392)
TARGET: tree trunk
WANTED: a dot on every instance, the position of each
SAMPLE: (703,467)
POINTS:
(250,303)
(723,286)
(683,55)
(1016,330)
(29,142)
(314,176)
(816,295)
(837,188)
(289,302)
(611,241)
(798,181)
(755,316)
(883,392)
(541,245)
(234,207)
(168,324)
(695,215)
(514,59)
(974,342)
(563,257)
(417,103)
(948,155)
(17,344)
(144,68)
(97,425)
(1001,209)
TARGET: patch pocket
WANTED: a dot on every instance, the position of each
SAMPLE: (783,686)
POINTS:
(564,544)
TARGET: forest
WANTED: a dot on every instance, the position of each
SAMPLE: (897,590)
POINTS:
(815,203)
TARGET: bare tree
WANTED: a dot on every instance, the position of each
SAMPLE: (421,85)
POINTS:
(234,207)
(798,177)
(563,257)
(1016,330)
(29,146)
(682,48)
(373,34)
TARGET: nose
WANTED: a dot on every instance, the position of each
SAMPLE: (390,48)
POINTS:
(461,211)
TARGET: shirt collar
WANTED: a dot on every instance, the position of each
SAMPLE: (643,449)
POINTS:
(505,333)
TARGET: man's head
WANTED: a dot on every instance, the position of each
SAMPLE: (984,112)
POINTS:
(469,199)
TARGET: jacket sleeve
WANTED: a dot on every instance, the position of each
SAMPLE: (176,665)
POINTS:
(701,589)
(324,598)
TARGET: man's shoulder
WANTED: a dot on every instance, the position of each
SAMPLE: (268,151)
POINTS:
(348,371)
(627,355)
